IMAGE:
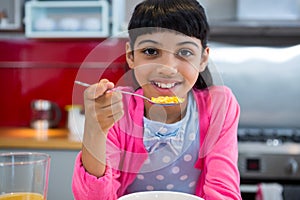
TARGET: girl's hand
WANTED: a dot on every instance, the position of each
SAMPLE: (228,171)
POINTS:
(102,107)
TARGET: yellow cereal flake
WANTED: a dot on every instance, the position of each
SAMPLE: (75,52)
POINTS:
(167,99)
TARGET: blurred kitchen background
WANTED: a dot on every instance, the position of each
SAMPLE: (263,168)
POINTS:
(46,45)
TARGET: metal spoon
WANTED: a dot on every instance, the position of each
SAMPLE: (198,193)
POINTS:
(130,93)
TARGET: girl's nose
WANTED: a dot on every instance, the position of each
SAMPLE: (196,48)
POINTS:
(168,65)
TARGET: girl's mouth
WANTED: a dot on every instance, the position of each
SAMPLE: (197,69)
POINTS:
(165,85)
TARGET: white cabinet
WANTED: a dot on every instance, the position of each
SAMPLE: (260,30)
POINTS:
(10,14)
(67,19)
(121,13)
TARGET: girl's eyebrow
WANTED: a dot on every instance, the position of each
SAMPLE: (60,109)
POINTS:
(147,41)
(188,42)
(178,44)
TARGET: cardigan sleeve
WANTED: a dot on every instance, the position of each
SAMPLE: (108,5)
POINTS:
(124,147)
(219,150)
(88,187)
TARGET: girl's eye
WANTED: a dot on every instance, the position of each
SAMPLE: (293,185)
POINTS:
(150,51)
(184,53)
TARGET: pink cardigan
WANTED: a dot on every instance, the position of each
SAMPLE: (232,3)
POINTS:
(217,159)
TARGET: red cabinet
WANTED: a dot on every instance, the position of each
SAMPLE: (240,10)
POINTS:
(46,69)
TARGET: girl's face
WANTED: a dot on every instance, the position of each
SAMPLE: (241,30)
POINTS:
(167,63)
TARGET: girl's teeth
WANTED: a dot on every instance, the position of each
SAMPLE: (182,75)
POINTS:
(163,85)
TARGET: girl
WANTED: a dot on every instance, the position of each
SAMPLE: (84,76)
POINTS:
(131,145)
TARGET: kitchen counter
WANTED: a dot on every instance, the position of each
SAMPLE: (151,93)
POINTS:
(54,142)
(27,138)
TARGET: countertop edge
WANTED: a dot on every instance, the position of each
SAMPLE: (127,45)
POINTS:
(26,138)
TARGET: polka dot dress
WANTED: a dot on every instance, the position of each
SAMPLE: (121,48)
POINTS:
(166,170)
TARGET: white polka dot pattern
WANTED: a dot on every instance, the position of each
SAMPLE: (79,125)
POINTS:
(192,184)
(164,170)
(160,177)
(140,177)
(166,159)
(175,170)
(187,158)
(170,186)
(176,176)
(150,187)
(183,178)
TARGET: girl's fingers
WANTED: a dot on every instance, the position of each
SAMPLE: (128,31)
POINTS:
(111,110)
(107,122)
(107,100)
(108,115)
(97,90)
(102,105)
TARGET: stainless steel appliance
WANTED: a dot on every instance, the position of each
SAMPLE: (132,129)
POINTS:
(45,114)
(266,82)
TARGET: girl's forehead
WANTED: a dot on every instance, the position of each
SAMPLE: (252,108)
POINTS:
(166,38)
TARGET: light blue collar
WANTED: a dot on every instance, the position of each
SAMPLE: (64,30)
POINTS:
(158,135)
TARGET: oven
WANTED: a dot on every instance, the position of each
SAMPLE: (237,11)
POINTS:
(266,82)
(269,156)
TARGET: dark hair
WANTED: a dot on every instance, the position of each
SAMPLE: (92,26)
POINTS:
(185,16)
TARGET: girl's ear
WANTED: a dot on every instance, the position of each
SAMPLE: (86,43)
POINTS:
(129,56)
(204,59)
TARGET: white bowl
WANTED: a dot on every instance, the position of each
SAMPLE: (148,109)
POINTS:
(69,24)
(161,195)
(92,24)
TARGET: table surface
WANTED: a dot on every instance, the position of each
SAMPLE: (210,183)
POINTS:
(16,137)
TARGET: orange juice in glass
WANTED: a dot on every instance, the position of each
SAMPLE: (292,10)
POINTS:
(24,176)
(22,196)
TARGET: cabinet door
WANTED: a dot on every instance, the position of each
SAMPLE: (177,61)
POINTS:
(67,19)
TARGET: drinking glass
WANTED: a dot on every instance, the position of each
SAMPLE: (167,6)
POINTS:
(24,175)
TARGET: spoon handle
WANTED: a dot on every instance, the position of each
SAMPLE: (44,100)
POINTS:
(134,94)
(82,83)
(124,92)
